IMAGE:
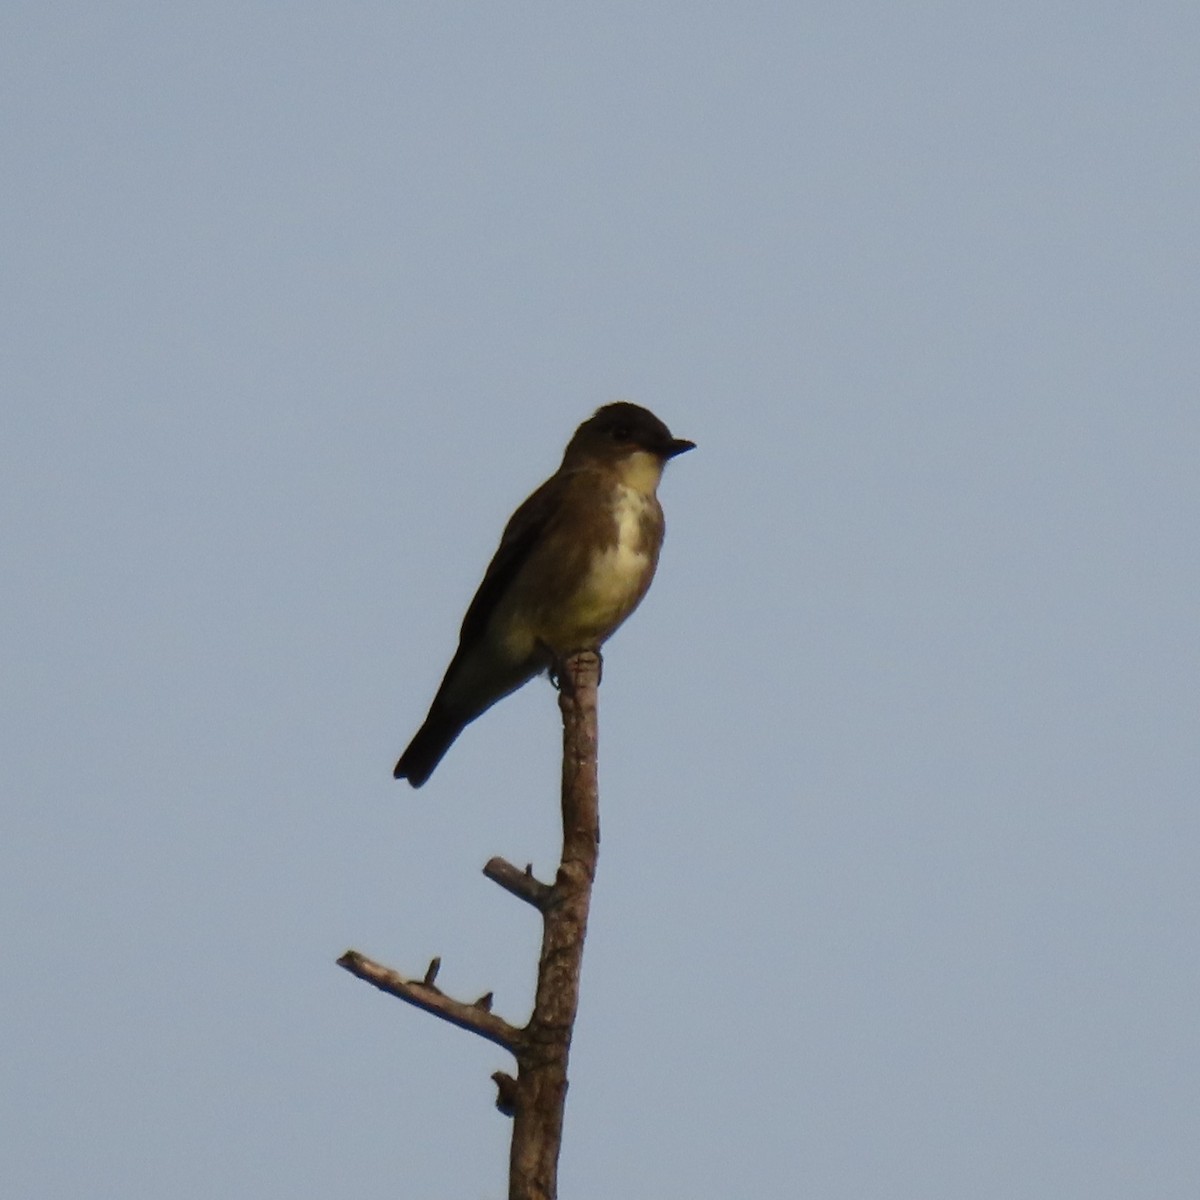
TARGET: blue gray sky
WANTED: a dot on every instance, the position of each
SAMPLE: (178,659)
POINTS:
(898,894)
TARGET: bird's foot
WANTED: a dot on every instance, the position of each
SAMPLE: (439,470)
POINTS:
(560,675)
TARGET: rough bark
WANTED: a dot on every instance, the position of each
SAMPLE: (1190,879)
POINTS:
(541,1086)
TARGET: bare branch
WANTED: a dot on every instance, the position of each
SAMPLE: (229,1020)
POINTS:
(521,884)
(475,1018)
(535,1098)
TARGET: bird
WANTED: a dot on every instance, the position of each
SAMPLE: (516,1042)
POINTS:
(575,559)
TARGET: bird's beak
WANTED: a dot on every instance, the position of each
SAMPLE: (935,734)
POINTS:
(677,446)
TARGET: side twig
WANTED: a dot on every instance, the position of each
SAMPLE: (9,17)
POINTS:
(521,884)
(475,1018)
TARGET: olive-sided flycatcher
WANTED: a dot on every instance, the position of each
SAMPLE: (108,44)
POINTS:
(575,560)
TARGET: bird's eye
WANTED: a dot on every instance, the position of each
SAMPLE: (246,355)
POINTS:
(621,433)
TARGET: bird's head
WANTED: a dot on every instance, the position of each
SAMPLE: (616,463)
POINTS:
(623,432)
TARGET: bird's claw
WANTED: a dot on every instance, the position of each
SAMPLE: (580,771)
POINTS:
(560,676)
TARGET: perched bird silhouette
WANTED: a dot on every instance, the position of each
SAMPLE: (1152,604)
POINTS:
(575,560)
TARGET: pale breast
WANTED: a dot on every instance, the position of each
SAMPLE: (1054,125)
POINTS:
(619,574)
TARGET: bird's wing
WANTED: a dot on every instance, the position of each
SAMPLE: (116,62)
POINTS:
(523,531)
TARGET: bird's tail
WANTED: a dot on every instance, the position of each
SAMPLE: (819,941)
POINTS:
(425,751)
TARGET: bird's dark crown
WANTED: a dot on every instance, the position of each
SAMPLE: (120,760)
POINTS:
(624,427)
